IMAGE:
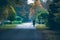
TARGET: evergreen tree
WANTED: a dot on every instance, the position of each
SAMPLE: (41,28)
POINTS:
(54,14)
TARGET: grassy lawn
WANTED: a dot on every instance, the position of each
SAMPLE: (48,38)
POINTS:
(7,26)
(41,26)
(49,34)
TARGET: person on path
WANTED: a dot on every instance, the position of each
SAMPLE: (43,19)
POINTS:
(34,23)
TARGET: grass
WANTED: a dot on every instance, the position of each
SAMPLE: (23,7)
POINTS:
(7,26)
(41,26)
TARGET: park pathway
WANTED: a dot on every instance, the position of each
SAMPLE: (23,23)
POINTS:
(25,31)
(27,25)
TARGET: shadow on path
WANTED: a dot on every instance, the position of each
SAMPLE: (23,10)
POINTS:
(21,34)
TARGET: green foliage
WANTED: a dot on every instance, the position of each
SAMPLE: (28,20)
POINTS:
(6,5)
(42,13)
(11,15)
(54,15)
(18,18)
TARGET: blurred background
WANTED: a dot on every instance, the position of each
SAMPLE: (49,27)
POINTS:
(46,13)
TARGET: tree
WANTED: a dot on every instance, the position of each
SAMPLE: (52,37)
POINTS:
(12,14)
(54,15)
(7,6)
(42,15)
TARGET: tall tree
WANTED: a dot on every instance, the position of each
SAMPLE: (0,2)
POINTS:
(54,14)
(6,6)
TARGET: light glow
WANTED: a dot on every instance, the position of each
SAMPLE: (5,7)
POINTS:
(44,1)
(30,1)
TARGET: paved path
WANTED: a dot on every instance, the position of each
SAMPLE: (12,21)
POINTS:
(22,34)
(25,26)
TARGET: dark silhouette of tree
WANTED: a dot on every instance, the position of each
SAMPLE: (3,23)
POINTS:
(54,14)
